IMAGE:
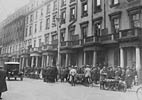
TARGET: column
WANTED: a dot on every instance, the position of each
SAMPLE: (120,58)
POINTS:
(66,62)
(122,57)
(20,62)
(47,60)
(138,65)
(37,61)
(138,59)
(27,62)
(23,62)
(84,58)
(94,58)
(32,63)
(42,64)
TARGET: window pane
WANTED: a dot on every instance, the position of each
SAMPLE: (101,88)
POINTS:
(98,2)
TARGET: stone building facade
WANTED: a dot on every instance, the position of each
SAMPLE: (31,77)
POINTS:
(83,32)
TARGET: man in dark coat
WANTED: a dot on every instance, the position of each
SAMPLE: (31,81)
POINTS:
(3,86)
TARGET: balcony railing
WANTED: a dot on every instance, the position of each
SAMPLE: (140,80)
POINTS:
(66,43)
(109,37)
(91,39)
(46,46)
(129,33)
(77,42)
(34,49)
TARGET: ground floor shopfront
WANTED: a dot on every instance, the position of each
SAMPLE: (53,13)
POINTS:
(122,55)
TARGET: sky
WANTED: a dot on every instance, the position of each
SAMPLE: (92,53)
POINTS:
(7,7)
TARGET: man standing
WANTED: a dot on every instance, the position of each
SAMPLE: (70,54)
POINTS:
(73,73)
(3,86)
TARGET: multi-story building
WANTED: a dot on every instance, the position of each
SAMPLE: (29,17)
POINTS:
(12,35)
(88,32)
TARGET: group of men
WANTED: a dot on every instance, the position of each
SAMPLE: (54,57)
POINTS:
(128,75)
(97,74)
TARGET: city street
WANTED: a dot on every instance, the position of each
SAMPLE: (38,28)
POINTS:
(30,89)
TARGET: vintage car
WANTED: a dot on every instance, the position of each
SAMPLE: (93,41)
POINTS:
(13,70)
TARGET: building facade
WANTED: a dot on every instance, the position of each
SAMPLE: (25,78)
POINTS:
(82,32)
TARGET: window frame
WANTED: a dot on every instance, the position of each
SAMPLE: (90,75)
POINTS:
(71,14)
(83,12)
(97,21)
(96,7)
(113,3)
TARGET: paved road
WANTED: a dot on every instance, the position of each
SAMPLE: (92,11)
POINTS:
(31,89)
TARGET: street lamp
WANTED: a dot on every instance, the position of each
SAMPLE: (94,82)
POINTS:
(59,44)
(58,31)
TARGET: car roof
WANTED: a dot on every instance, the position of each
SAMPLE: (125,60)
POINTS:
(12,63)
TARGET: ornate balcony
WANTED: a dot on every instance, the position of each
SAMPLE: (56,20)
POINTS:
(66,44)
(34,49)
(77,43)
(91,39)
(129,34)
(109,38)
(46,47)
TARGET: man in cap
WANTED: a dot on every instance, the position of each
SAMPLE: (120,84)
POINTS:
(3,86)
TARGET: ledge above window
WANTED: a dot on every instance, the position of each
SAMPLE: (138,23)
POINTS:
(114,5)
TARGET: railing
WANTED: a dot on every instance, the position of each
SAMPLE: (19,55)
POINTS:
(127,33)
(89,39)
(46,46)
(66,43)
(106,37)
(77,42)
(63,43)
(33,49)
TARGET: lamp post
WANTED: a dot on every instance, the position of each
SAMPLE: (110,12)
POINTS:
(58,32)
(59,44)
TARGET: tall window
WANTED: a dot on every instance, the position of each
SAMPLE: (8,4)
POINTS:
(55,5)
(97,28)
(47,38)
(63,3)
(135,20)
(54,39)
(84,8)
(62,35)
(31,18)
(115,21)
(47,23)
(30,31)
(27,20)
(40,26)
(97,6)
(84,29)
(26,32)
(39,42)
(54,21)
(63,17)
(34,43)
(35,28)
(48,9)
(41,12)
(72,13)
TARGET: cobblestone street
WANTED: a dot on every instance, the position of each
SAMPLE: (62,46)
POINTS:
(30,89)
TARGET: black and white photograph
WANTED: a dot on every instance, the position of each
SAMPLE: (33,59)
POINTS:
(70,49)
